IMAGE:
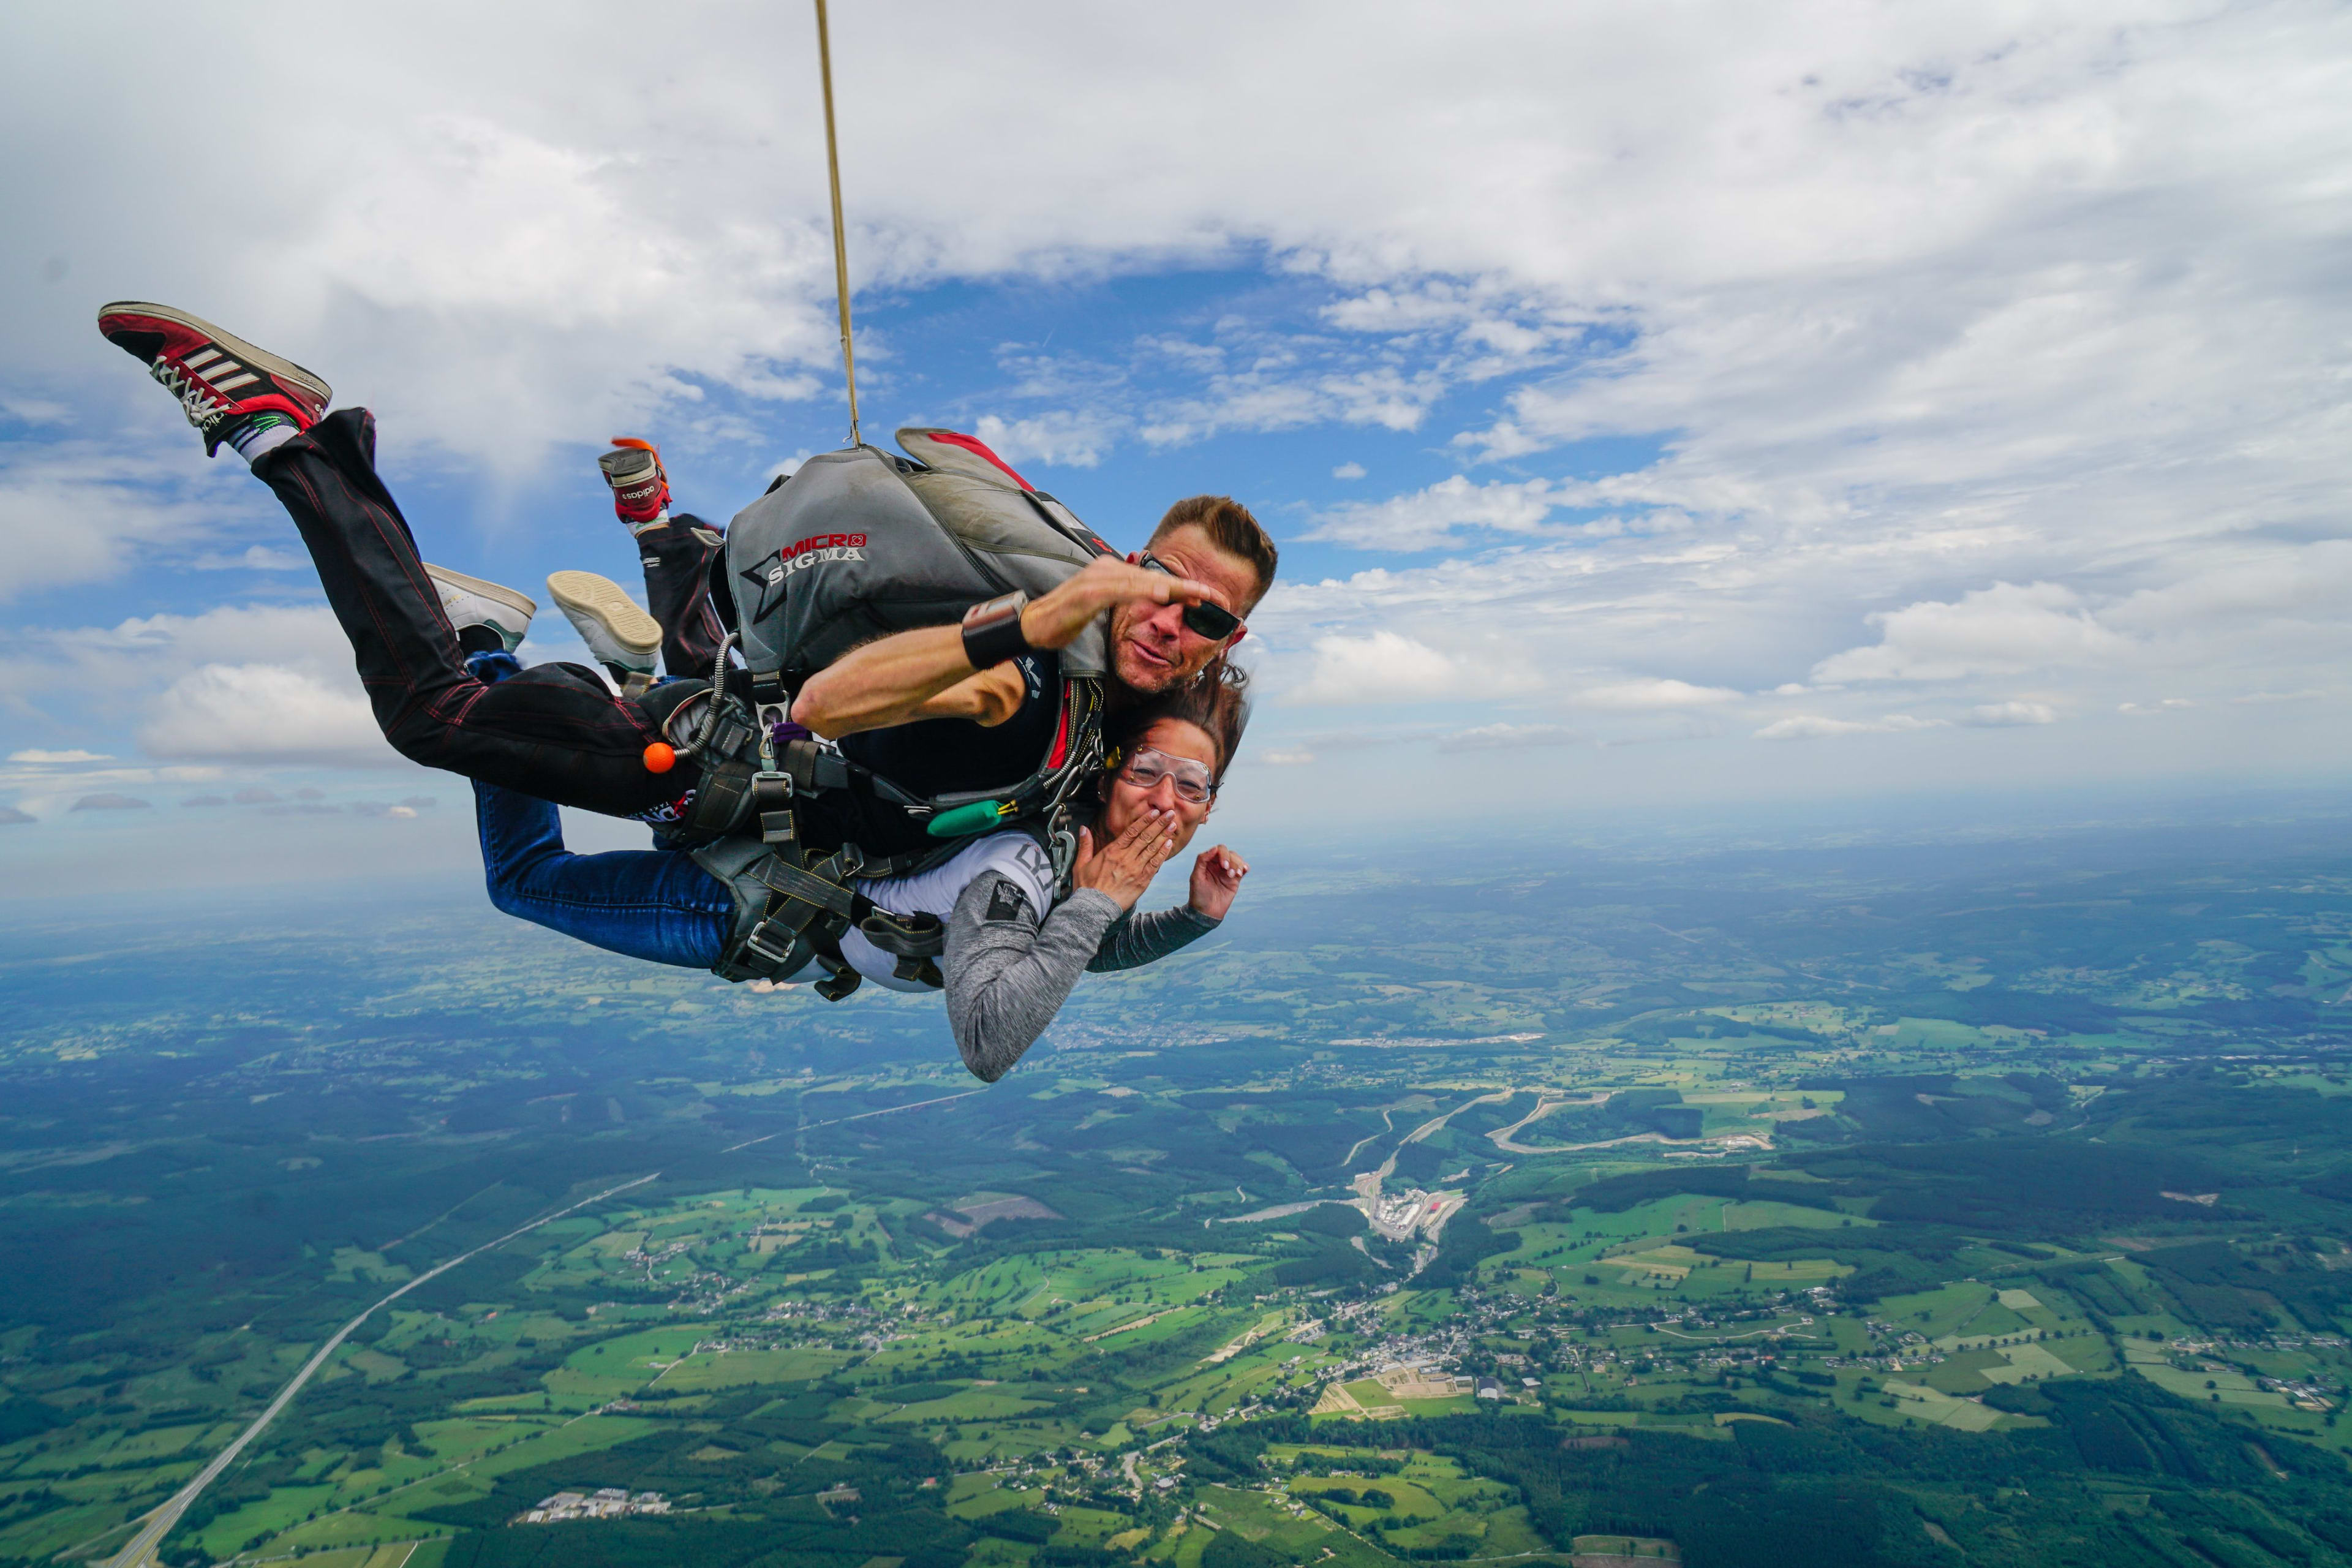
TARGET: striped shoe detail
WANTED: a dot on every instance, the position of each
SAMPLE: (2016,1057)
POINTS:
(216,377)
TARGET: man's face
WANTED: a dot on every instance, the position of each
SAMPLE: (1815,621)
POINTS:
(1151,647)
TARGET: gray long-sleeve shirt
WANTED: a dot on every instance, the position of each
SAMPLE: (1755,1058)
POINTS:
(1136,940)
(1011,952)
(1008,971)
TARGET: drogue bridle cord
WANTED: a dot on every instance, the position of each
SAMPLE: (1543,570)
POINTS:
(840,244)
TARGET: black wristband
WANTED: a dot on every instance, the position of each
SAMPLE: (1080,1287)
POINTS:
(991,631)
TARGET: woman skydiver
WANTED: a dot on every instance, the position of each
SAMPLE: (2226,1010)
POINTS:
(1013,952)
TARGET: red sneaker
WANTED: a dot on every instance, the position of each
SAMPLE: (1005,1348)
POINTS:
(640,489)
(220,380)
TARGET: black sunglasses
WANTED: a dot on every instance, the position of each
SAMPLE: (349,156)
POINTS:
(1213,622)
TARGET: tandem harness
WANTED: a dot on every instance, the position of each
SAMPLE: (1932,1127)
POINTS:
(796,898)
(859,543)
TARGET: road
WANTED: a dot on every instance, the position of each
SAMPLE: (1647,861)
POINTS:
(1367,1184)
(141,1551)
(886,1111)
(1502,1136)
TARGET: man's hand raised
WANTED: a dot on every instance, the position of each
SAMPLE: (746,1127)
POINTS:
(1054,619)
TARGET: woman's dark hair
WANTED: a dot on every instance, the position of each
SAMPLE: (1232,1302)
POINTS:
(1217,704)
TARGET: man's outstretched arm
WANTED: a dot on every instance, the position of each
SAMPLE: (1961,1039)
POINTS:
(892,679)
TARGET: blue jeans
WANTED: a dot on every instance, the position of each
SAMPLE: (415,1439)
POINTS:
(654,904)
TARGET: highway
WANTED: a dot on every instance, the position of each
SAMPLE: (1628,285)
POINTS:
(141,1551)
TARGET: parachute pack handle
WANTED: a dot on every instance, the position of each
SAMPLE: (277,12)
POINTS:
(916,940)
(909,936)
(978,816)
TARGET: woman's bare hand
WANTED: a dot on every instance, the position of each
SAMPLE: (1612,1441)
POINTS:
(1123,868)
(1216,878)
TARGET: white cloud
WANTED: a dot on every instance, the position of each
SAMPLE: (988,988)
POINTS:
(72,514)
(1381,668)
(1641,696)
(2263,584)
(80,683)
(112,801)
(37,755)
(279,633)
(1070,439)
(1427,518)
(1348,471)
(253,558)
(263,713)
(1815,726)
(1866,309)
(1993,715)
(1512,737)
(1998,630)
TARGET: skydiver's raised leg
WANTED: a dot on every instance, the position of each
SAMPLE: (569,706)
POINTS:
(554,730)
(675,552)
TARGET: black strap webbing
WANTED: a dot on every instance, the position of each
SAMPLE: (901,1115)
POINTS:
(782,877)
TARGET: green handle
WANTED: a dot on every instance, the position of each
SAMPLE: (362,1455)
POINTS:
(978,817)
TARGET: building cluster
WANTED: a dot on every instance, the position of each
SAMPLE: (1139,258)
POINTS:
(606,1502)
(1397,1215)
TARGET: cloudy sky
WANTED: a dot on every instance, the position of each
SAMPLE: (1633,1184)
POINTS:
(1703,402)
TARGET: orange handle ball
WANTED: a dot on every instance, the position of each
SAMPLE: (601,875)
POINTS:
(660,758)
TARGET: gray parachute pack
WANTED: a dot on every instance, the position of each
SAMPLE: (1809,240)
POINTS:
(857,544)
(862,542)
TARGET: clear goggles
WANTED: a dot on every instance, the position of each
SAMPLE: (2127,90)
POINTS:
(1194,783)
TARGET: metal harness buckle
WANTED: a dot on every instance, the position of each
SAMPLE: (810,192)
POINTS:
(757,942)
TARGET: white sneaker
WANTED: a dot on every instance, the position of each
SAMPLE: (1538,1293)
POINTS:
(619,633)
(471,602)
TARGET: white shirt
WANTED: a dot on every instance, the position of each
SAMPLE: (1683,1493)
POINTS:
(1016,856)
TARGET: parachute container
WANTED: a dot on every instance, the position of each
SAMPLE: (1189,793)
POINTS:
(862,542)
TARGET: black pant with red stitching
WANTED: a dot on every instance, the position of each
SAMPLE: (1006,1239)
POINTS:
(677,557)
(556,731)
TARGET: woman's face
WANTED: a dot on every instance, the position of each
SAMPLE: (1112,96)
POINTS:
(1125,801)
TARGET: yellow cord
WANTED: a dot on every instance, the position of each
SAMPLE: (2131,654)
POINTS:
(840,245)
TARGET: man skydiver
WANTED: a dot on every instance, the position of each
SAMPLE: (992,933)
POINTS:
(558,732)
(885,703)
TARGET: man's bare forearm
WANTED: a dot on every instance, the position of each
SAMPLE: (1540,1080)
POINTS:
(884,683)
(888,680)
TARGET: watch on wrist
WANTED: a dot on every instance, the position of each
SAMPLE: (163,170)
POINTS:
(991,631)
